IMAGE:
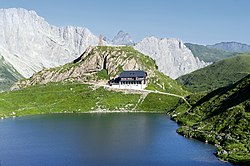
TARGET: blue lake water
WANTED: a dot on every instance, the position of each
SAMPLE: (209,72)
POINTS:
(122,139)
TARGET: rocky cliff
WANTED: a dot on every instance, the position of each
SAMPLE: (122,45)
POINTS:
(172,56)
(30,44)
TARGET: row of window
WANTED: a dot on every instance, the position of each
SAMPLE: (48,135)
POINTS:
(134,78)
(131,82)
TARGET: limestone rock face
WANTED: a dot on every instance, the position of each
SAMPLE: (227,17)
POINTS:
(171,55)
(30,44)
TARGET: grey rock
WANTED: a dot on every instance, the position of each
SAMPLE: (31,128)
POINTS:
(172,57)
(30,44)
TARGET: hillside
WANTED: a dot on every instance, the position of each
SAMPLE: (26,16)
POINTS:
(231,46)
(208,54)
(219,74)
(68,97)
(8,75)
(100,64)
(222,117)
(76,87)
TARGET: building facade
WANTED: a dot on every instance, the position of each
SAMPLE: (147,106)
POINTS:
(131,79)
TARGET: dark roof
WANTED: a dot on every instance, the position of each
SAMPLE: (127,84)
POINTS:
(132,73)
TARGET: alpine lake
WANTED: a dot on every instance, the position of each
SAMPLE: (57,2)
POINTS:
(108,139)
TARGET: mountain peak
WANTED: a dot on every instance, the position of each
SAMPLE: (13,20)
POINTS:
(16,10)
(21,12)
(122,38)
(121,32)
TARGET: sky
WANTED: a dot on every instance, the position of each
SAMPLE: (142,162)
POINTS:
(195,21)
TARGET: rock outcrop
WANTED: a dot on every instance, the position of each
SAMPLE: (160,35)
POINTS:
(171,55)
(30,44)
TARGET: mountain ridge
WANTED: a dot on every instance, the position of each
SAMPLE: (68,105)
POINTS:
(219,74)
(208,54)
(231,46)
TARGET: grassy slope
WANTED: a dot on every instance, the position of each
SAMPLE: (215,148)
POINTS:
(221,117)
(208,54)
(219,74)
(8,75)
(68,97)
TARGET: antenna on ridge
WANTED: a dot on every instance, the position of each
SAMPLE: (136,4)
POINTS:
(100,40)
